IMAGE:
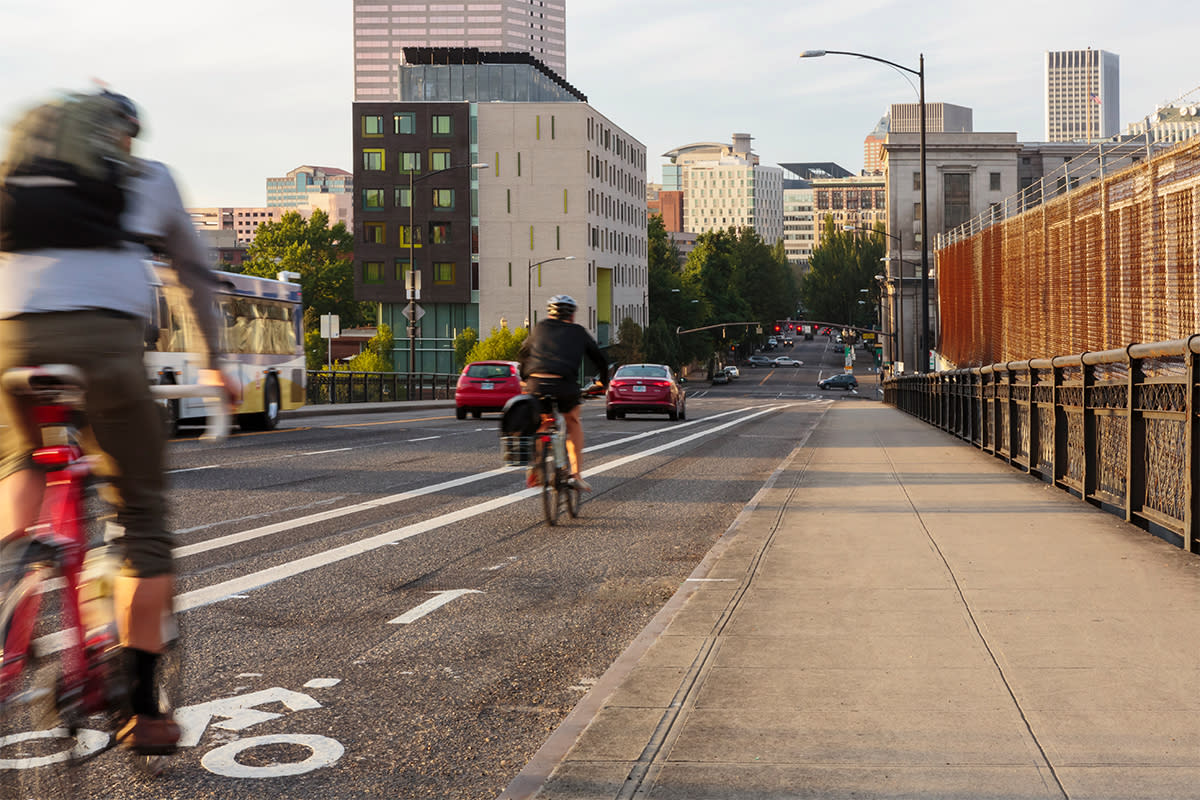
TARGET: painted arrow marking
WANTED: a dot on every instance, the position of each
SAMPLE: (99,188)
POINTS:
(432,604)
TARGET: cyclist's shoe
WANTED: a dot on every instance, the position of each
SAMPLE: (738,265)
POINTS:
(149,736)
(533,478)
(579,483)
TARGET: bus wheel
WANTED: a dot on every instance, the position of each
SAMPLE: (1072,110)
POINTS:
(170,408)
(269,417)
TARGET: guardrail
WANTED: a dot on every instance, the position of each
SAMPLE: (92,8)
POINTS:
(343,386)
(1117,428)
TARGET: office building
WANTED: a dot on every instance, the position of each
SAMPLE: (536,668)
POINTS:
(1082,94)
(873,147)
(939,118)
(563,185)
(243,222)
(296,188)
(724,186)
(383,30)
(799,214)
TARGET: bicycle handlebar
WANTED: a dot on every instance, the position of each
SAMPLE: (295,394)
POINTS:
(217,427)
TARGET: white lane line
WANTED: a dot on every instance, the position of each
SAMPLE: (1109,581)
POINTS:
(323,452)
(255,580)
(54,642)
(190,469)
(322,516)
(431,605)
(425,439)
(322,683)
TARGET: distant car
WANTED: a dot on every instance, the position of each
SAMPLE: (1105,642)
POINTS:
(761,361)
(787,361)
(732,371)
(485,386)
(788,341)
(720,376)
(843,380)
(645,389)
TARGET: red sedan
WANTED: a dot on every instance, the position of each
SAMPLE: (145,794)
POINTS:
(485,386)
(645,389)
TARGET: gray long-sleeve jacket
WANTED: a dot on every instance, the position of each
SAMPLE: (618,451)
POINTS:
(117,279)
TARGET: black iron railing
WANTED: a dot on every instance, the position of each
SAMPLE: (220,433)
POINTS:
(341,386)
(1117,428)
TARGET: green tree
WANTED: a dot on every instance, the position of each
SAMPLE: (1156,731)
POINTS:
(462,346)
(502,344)
(321,255)
(376,356)
(840,267)
(628,349)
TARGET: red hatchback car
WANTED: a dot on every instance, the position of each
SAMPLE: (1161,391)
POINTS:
(485,386)
(645,389)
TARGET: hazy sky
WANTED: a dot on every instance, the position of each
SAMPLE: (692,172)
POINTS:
(234,92)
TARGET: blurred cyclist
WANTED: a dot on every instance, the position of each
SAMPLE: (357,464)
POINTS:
(74,289)
(550,357)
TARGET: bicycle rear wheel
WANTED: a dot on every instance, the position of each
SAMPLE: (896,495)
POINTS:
(571,495)
(39,750)
(549,490)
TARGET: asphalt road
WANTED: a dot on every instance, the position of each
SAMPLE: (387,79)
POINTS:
(375,608)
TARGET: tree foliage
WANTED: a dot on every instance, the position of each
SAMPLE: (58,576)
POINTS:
(376,356)
(502,344)
(322,255)
(840,267)
(629,348)
(462,346)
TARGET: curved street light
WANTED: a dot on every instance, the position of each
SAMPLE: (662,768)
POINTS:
(529,286)
(920,73)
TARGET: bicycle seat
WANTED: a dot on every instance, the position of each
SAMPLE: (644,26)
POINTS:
(49,384)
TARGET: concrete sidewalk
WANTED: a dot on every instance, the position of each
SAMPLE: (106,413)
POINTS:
(898,615)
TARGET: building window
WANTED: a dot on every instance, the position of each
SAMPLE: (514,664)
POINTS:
(406,240)
(551,126)
(373,160)
(518,164)
(403,197)
(916,181)
(508,199)
(537,129)
(443,272)
(402,268)
(372,272)
(956,199)
(994,182)
(439,159)
(375,233)
(510,273)
(439,232)
(557,237)
(564,195)
(410,162)
(372,199)
(404,122)
(443,198)
(440,124)
(372,126)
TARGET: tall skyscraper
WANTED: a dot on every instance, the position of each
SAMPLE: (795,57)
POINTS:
(382,30)
(1083,95)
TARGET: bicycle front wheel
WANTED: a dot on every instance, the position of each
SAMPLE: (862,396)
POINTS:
(571,494)
(549,485)
(39,750)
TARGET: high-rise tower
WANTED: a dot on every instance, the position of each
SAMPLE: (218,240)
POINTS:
(1083,100)
(382,30)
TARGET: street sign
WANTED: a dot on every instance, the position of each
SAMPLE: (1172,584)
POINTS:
(413,312)
(331,326)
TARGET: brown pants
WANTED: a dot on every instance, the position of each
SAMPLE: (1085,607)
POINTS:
(124,427)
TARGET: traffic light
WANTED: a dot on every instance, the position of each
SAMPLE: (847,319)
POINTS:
(777,329)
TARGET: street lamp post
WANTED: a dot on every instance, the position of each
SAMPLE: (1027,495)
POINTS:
(920,73)
(412,284)
(529,286)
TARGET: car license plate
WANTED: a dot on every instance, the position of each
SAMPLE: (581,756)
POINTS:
(639,388)
(487,385)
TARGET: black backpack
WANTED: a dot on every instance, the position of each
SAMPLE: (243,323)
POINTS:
(62,178)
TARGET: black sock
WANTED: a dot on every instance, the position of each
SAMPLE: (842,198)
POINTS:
(141,667)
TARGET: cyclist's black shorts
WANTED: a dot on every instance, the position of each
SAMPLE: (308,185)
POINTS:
(565,392)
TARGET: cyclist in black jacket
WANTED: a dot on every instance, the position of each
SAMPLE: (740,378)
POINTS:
(550,358)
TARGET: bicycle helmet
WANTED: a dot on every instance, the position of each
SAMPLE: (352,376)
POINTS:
(126,111)
(560,306)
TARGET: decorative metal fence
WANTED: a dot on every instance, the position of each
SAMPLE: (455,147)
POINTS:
(1117,428)
(341,386)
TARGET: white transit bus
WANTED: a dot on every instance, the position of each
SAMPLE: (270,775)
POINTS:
(261,337)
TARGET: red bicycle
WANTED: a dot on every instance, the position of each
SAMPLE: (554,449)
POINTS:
(56,713)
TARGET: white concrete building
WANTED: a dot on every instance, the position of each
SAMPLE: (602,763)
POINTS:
(564,181)
(381,30)
(1082,95)
(724,186)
